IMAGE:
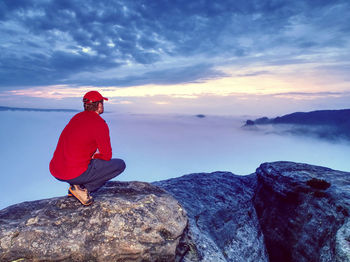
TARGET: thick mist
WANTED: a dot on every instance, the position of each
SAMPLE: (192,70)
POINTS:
(154,147)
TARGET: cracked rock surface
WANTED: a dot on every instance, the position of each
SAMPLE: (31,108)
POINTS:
(304,212)
(223,224)
(129,221)
(285,211)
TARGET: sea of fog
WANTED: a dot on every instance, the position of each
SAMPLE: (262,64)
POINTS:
(154,147)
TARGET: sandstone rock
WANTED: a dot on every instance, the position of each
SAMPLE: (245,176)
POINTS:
(304,212)
(128,222)
(342,249)
(223,225)
(285,211)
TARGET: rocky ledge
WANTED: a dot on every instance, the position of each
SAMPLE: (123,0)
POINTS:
(304,212)
(129,221)
(222,219)
(283,212)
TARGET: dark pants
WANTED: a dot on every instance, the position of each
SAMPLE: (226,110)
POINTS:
(98,173)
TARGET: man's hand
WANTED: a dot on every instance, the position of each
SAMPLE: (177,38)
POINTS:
(96,152)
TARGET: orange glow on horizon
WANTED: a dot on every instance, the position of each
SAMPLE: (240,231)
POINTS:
(283,85)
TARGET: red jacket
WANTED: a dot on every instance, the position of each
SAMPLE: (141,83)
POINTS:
(84,134)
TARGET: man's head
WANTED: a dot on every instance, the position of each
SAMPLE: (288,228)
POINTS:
(93,101)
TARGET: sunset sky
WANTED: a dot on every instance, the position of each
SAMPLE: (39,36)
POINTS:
(214,57)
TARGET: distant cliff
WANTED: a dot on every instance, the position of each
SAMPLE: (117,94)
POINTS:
(284,211)
(328,124)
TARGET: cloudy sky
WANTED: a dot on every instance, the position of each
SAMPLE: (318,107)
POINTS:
(220,57)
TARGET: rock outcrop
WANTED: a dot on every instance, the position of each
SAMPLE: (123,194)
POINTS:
(222,218)
(128,222)
(304,212)
(285,211)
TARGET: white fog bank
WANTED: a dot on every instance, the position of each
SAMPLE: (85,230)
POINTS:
(154,147)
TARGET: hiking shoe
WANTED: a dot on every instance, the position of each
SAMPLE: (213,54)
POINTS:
(69,194)
(81,194)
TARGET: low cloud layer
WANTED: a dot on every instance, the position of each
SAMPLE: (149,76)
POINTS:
(153,147)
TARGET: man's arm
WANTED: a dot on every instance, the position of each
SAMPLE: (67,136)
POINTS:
(104,148)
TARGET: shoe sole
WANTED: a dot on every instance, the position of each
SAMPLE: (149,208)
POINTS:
(85,204)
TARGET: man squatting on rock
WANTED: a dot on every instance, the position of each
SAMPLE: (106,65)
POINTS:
(83,154)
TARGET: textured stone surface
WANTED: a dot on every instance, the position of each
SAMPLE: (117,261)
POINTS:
(304,212)
(128,222)
(342,249)
(223,225)
(286,211)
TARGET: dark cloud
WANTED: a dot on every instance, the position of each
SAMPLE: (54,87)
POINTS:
(337,70)
(308,94)
(280,61)
(49,41)
(195,73)
(255,73)
(7,7)
(38,69)
(63,61)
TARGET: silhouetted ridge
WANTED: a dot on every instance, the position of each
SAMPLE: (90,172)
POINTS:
(6,108)
(321,117)
(327,124)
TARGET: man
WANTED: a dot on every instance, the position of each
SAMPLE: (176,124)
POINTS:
(83,154)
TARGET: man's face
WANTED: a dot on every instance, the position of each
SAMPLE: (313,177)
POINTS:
(100,108)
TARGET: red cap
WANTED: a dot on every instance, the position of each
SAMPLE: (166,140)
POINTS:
(93,96)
